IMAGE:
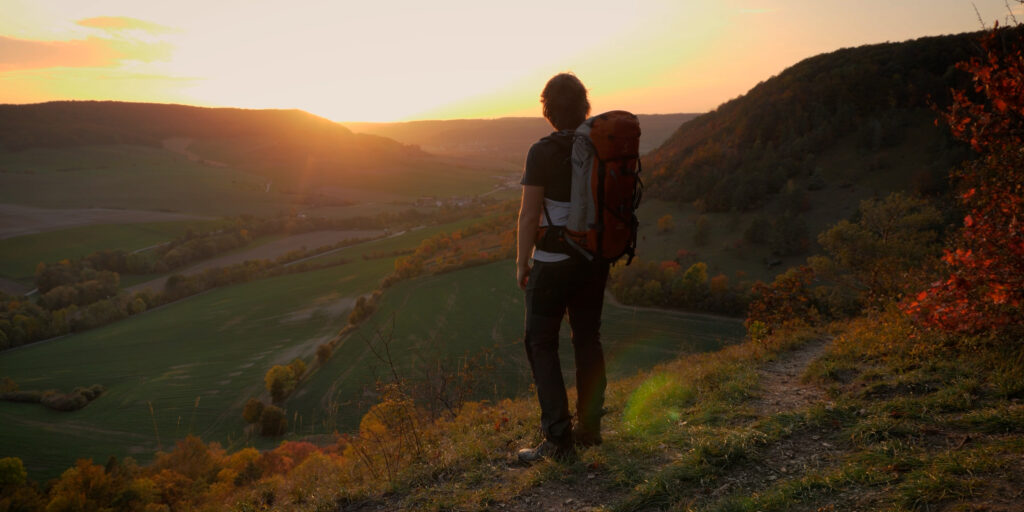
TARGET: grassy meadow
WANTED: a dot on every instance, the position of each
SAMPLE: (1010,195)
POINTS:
(197,361)
(454,316)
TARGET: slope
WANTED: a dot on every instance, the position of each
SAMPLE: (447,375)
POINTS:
(211,160)
(873,98)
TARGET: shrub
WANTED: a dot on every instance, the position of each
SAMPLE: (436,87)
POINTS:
(984,289)
(323,353)
(666,224)
(12,471)
(787,298)
(252,410)
(92,392)
(273,421)
(298,368)
(280,381)
(65,401)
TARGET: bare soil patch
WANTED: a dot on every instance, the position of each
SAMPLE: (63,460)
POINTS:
(13,287)
(780,380)
(266,251)
(585,493)
(16,220)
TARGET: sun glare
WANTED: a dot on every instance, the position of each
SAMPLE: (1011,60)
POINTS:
(396,60)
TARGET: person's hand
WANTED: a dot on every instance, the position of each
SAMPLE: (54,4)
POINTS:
(522,274)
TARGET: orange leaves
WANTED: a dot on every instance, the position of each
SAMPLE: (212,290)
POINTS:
(984,289)
(784,300)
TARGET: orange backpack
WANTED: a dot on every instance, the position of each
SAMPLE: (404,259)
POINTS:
(606,189)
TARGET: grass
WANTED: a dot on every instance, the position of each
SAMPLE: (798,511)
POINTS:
(196,374)
(943,435)
(461,313)
(194,361)
(720,252)
(217,356)
(21,254)
(686,435)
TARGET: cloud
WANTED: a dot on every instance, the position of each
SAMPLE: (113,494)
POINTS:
(119,23)
(21,54)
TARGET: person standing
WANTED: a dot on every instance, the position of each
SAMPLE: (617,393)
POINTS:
(559,282)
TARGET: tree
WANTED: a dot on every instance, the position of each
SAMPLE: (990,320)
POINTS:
(666,224)
(883,250)
(984,287)
(280,381)
(785,300)
(273,421)
(12,471)
(298,368)
(252,410)
(323,353)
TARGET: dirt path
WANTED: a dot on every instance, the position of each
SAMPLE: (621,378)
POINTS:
(782,391)
(780,380)
(269,250)
(17,220)
(13,287)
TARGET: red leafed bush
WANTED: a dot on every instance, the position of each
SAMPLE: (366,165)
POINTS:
(984,289)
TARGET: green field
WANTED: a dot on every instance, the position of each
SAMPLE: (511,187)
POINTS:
(197,361)
(21,254)
(214,348)
(459,313)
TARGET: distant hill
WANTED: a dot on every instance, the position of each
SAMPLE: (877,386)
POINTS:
(266,137)
(507,138)
(89,154)
(853,117)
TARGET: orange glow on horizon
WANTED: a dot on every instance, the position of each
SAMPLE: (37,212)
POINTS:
(396,60)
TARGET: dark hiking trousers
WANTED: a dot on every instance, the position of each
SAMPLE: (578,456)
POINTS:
(554,289)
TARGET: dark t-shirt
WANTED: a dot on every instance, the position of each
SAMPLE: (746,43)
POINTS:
(548,165)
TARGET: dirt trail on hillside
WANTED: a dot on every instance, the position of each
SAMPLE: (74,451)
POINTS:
(780,380)
(267,251)
(18,220)
(782,392)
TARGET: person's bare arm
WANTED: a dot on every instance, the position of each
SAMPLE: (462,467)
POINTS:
(530,209)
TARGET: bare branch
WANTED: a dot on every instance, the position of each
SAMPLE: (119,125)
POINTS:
(978,14)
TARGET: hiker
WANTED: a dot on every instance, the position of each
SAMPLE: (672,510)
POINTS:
(559,282)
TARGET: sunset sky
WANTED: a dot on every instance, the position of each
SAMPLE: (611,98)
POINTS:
(389,60)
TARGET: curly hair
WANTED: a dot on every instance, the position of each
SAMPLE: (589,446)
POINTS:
(565,101)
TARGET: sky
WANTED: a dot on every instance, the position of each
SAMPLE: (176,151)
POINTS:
(391,60)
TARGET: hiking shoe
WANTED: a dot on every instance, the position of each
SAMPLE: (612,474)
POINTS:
(586,439)
(548,450)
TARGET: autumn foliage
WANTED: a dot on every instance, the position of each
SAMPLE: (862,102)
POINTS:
(785,300)
(984,287)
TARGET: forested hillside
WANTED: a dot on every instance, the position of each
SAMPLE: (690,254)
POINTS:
(853,116)
(77,123)
(273,143)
